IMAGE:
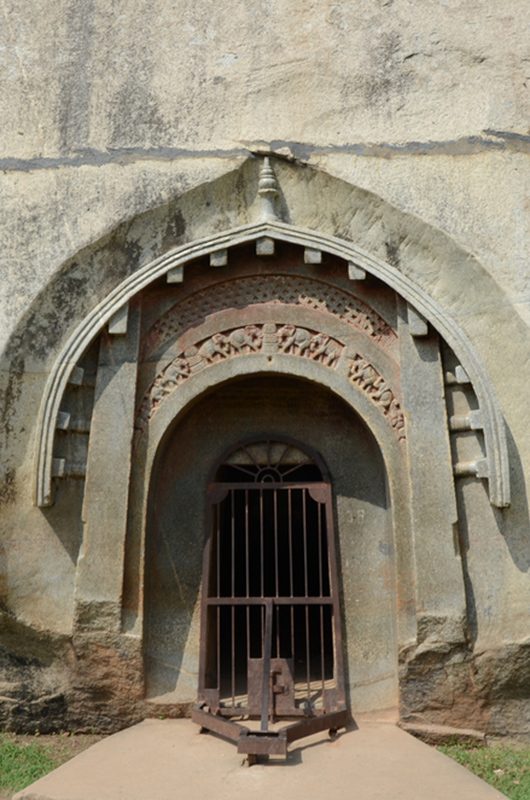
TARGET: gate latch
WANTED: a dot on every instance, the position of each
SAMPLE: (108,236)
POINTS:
(278,686)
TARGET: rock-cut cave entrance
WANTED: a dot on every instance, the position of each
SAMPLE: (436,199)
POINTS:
(271,640)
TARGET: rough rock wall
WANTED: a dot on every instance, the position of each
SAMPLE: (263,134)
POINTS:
(113,109)
(110,108)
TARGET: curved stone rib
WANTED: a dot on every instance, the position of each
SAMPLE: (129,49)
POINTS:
(85,332)
(271,339)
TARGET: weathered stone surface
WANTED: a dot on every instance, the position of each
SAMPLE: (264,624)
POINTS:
(452,685)
(128,132)
(34,686)
(443,734)
(391,80)
(106,691)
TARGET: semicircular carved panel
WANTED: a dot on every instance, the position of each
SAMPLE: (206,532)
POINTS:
(270,339)
(270,290)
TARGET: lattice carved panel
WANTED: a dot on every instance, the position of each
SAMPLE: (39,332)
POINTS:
(270,290)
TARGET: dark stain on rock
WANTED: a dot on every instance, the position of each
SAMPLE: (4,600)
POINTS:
(392,253)
(175,228)
(136,113)
(385,78)
(11,662)
(8,492)
(41,331)
(66,294)
(44,715)
(27,703)
(81,283)
(132,253)
(10,396)
(74,107)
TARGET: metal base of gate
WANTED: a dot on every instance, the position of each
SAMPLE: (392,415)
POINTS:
(269,743)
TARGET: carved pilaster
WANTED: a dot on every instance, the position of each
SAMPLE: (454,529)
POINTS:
(100,566)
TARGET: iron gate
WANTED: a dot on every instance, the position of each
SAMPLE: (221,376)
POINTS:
(271,646)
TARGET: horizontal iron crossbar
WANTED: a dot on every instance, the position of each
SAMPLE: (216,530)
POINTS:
(332,722)
(269,742)
(226,728)
(263,601)
(267,485)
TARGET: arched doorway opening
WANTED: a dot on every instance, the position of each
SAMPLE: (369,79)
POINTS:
(348,460)
(271,631)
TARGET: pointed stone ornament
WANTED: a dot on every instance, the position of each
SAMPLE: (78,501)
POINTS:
(268,191)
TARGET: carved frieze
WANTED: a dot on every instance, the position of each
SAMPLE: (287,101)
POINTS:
(366,377)
(267,339)
(301,342)
(270,290)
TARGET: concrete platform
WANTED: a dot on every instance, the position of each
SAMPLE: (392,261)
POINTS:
(169,759)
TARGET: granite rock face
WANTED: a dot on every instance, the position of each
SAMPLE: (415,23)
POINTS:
(394,244)
(453,686)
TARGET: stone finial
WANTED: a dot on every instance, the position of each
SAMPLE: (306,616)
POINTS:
(268,191)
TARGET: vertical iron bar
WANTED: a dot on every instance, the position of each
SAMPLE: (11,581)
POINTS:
(291,568)
(218,565)
(304,529)
(321,591)
(308,652)
(290,523)
(248,571)
(337,652)
(276,568)
(233,656)
(262,566)
(232,541)
(267,644)
(233,610)
(319,534)
(307,634)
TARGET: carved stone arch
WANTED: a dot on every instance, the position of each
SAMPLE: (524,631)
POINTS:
(292,316)
(441,534)
(176,403)
(160,428)
(495,466)
(306,314)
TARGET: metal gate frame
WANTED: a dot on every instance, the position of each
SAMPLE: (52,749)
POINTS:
(208,712)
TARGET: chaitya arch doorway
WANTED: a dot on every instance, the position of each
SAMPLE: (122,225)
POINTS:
(271,629)
(182,496)
(276,327)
